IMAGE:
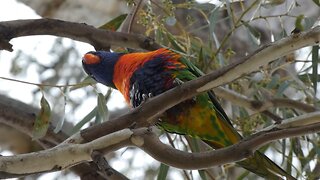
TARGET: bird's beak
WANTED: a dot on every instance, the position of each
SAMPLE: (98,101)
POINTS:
(91,59)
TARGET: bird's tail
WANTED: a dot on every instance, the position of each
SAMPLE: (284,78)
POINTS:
(261,165)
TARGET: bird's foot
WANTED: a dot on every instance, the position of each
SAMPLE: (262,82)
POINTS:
(145,97)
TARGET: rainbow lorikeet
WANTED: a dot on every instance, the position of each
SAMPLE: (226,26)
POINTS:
(139,75)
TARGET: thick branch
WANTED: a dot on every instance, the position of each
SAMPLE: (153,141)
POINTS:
(58,158)
(236,152)
(100,39)
(67,155)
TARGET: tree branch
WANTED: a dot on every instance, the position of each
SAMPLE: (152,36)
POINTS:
(58,158)
(67,155)
(100,39)
(244,149)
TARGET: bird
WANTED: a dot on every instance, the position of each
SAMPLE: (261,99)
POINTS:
(140,75)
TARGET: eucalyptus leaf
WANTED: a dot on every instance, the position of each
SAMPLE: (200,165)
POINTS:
(283,86)
(174,42)
(163,172)
(42,121)
(87,81)
(317,2)
(315,63)
(274,82)
(115,23)
(85,120)
(253,32)
(298,24)
(102,107)
(62,116)
(272,3)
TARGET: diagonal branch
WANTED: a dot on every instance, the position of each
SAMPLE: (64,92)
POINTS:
(100,39)
(148,111)
(59,157)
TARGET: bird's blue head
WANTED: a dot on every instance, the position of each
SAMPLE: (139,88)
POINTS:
(100,66)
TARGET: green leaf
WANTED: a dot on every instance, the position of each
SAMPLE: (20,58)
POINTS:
(274,82)
(298,24)
(204,6)
(253,32)
(272,3)
(42,121)
(115,23)
(283,86)
(281,35)
(163,172)
(317,2)
(289,161)
(244,175)
(315,63)
(87,81)
(306,78)
(102,107)
(309,22)
(202,174)
(97,120)
(213,19)
(85,120)
(194,146)
(62,114)
(175,44)
(283,149)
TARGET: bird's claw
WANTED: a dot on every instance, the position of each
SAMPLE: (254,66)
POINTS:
(145,97)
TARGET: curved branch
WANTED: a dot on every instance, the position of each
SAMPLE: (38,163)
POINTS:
(100,39)
(67,155)
(244,149)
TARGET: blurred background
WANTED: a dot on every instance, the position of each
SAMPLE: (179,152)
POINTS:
(210,33)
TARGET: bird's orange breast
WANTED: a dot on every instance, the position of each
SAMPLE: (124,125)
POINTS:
(129,63)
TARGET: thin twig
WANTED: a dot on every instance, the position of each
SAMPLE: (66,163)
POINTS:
(44,85)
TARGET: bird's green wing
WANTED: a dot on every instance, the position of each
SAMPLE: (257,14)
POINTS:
(197,73)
